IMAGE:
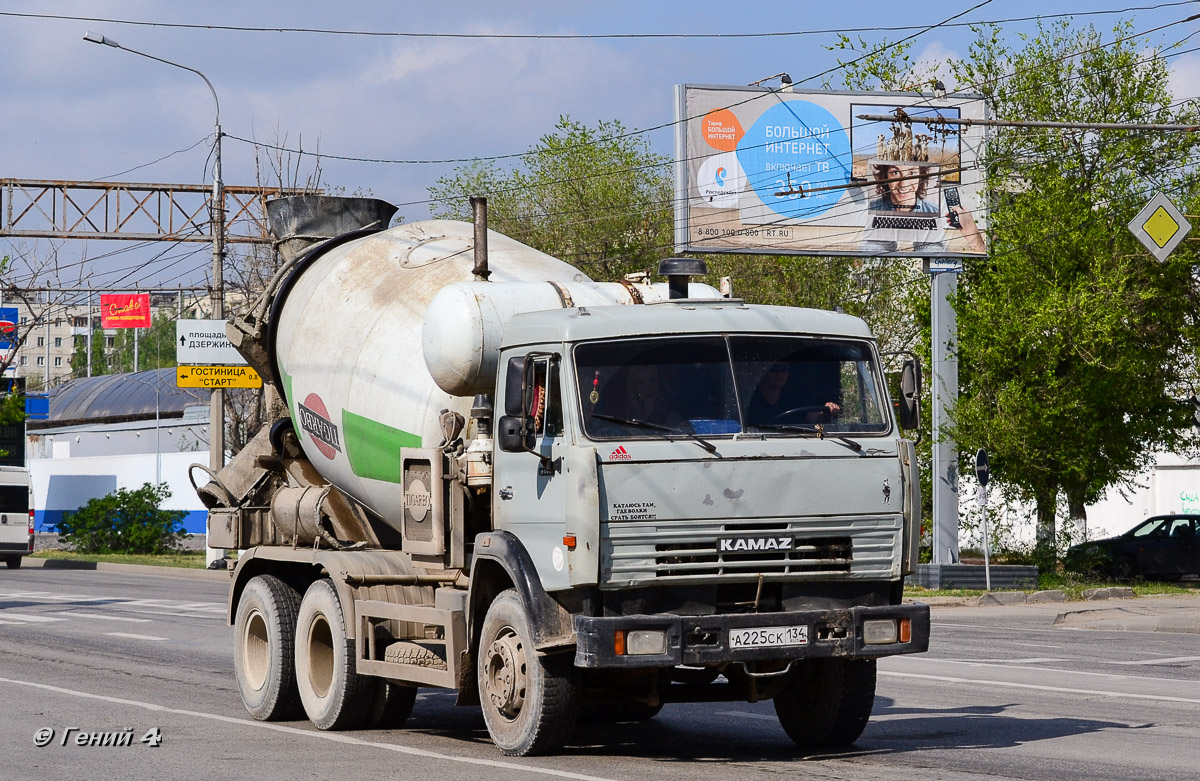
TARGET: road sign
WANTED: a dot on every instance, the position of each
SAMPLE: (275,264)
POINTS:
(217,377)
(204,343)
(1160,226)
(982,470)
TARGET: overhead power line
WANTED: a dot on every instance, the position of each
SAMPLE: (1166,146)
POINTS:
(570,36)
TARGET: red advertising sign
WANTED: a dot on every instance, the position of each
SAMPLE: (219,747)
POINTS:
(124,310)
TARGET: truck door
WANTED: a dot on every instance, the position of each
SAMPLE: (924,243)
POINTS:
(530,496)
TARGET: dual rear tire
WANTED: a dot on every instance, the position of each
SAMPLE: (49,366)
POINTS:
(293,658)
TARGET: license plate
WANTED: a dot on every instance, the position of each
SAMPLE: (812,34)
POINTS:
(768,637)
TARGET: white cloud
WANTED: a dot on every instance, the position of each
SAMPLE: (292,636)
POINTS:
(1184,79)
(932,59)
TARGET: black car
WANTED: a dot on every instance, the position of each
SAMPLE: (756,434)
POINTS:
(1164,546)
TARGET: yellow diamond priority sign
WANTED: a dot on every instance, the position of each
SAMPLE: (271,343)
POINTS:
(217,377)
(1160,226)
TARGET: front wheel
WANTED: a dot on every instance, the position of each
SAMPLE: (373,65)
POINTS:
(529,701)
(828,703)
(1125,568)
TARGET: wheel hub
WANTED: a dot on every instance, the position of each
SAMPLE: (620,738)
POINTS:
(505,679)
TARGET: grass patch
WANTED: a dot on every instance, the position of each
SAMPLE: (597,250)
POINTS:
(1071,585)
(188,559)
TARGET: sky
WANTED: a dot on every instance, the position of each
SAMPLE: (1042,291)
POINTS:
(77,111)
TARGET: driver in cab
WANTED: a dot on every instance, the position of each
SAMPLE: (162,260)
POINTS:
(775,401)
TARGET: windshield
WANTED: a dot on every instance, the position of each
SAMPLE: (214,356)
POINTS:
(725,385)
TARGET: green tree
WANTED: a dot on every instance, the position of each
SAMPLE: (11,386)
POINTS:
(1074,343)
(156,346)
(596,197)
(79,361)
(126,521)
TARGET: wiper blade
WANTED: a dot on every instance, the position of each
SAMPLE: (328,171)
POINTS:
(704,443)
(816,430)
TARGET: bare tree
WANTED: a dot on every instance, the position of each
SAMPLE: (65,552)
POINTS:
(251,266)
(45,287)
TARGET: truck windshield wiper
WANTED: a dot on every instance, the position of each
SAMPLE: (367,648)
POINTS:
(704,443)
(816,430)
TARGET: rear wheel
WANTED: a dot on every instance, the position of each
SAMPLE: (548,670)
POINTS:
(334,695)
(828,703)
(391,706)
(530,702)
(264,652)
(13,562)
(638,711)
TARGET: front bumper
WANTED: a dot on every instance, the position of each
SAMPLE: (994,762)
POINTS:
(704,640)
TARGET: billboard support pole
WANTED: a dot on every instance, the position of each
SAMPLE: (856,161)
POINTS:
(945,394)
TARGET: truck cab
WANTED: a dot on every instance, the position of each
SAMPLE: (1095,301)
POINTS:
(714,489)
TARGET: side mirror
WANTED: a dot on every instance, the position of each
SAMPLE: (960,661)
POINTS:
(910,395)
(508,435)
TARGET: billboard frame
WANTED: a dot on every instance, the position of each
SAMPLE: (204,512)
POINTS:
(742,236)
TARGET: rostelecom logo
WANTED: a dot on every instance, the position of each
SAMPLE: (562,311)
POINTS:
(620,454)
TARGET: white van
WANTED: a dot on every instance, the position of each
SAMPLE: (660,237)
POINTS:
(16,515)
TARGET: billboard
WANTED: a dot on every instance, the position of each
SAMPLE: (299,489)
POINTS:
(124,310)
(761,171)
(9,319)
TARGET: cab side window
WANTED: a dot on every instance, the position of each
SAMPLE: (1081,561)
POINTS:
(545,408)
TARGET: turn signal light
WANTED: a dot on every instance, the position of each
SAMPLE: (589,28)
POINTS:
(569,541)
(905,630)
(619,642)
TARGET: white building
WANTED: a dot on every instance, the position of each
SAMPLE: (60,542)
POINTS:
(118,431)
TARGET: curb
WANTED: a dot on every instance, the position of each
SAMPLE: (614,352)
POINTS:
(129,569)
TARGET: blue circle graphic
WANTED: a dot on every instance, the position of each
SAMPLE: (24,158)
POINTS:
(793,148)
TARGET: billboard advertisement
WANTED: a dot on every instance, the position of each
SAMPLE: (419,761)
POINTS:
(124,310)
(9,319)
(761,171)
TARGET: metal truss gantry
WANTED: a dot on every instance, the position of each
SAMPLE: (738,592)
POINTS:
(50,209)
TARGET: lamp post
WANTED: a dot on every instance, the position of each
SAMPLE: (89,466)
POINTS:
(216,427)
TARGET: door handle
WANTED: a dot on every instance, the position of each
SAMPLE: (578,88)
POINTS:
(506,492)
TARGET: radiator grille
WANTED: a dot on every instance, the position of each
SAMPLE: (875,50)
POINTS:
(821,548)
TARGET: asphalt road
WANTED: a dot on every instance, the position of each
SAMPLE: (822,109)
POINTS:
(1003,694)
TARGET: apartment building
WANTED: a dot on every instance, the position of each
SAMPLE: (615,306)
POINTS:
(53,332)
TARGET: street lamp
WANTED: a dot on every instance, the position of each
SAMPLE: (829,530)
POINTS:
(216,457)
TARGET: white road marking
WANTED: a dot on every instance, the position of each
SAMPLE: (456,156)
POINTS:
(1170,660)
(13,623)
(333,737)
(135,637)
(1034,660)
(1112,676)
(1025,629)
(1063,689)
(30,618)
(100,617)
(1037,645)
(744,715)
(160,606)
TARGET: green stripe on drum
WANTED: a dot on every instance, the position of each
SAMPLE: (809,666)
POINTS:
(373,448)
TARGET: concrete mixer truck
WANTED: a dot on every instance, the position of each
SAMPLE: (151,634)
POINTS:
(485,472)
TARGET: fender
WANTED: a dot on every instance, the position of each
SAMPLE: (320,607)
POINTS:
(499,552)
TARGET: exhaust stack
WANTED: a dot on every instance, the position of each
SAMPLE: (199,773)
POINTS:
(677,271)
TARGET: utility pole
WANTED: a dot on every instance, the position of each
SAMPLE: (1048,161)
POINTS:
(216,448)
(89,333)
